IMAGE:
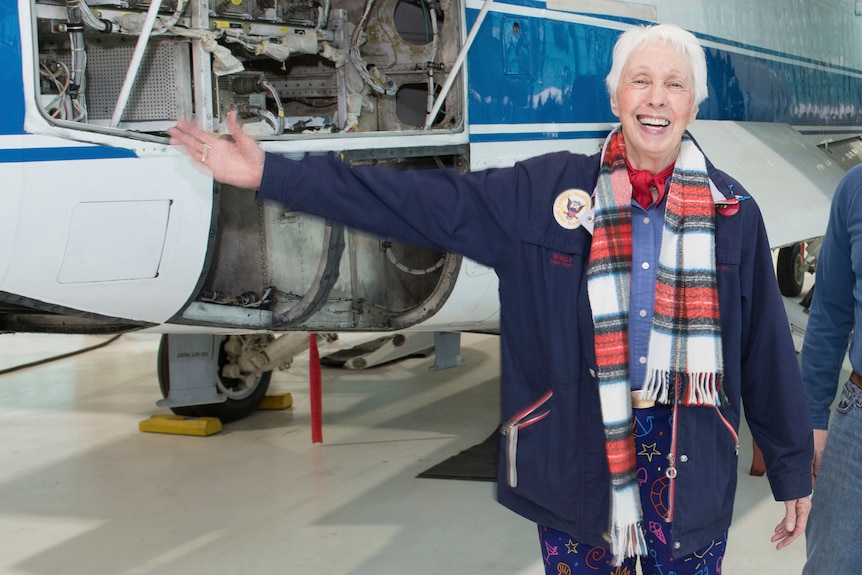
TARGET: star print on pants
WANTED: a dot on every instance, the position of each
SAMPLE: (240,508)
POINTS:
(651,447)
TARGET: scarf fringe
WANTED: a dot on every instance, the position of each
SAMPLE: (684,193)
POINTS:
(688,389)
(626,533)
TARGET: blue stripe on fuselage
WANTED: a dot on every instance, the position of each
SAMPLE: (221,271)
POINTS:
(11,80)
(59,154)
(544,71)
(508,136)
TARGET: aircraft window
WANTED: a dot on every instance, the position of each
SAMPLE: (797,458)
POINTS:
(418,21)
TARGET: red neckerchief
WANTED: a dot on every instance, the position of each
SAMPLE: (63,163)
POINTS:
(643,180)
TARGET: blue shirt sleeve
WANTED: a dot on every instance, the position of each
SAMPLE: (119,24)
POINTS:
(836,309)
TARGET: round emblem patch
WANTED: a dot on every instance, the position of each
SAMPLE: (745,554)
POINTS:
(571,205)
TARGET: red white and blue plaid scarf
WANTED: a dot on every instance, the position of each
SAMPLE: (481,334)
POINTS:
(684,364)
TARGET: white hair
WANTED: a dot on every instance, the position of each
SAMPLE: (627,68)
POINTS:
(683,41)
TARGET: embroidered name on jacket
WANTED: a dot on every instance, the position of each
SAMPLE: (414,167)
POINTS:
(562,260)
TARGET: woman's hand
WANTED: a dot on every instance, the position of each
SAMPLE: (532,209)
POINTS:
(794,522)
(238,162)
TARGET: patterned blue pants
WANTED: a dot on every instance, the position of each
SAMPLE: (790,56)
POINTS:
(563,555)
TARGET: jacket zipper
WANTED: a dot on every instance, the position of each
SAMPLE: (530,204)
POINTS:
(510,429)
(671,472)
(730,429)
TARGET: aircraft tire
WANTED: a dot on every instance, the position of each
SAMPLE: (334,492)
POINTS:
(790,273)
(232,409)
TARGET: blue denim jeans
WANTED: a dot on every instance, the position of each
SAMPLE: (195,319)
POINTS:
(833,534)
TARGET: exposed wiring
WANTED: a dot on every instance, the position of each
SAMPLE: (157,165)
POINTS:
(61,79)
(375,79)
(88,18)
(323,15)
(128,23)
(78,68)
(181,6)
(279,126)
(247,299)
(239,37)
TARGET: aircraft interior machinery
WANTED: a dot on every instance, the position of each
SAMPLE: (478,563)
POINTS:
(295,70)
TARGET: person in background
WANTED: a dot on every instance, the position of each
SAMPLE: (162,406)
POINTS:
(639,313)
(835,313)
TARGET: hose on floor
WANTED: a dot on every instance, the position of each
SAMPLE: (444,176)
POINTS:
(59,357)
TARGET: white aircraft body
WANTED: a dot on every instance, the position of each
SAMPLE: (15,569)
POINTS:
(105,228)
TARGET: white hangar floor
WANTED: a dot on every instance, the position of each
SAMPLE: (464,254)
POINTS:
(83,491)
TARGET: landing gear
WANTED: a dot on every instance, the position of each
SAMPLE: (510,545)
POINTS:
(790,269)
(241,394)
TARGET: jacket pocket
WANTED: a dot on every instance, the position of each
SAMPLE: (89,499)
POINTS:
(729,426)
(522,420)
(552,237)
(850,397)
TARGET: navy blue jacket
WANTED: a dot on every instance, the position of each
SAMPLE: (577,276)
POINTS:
(503,218)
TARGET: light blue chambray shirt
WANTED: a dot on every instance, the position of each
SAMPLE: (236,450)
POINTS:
(647,227)
(836,309)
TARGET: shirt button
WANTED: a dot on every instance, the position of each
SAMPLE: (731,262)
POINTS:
(592,372)
(676,545)
(645,265)
(642,359)
(642,313)
(683,458)
(646,219)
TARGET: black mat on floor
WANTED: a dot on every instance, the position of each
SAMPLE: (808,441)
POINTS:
(477,463)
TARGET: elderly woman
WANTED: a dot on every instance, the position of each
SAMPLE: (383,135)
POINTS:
(638,311)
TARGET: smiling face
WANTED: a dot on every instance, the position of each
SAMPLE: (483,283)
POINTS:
(655,104)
